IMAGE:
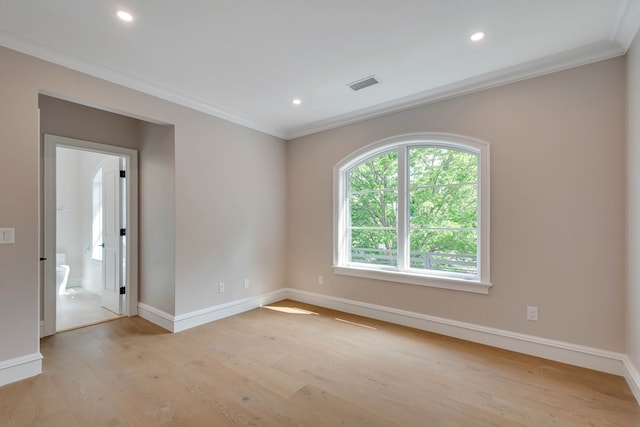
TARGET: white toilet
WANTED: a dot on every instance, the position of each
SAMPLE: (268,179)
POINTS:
(62,273)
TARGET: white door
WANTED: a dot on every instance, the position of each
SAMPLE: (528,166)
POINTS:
(111,235)
(125,190)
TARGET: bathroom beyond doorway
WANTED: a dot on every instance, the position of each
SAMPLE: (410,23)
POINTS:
(87,212)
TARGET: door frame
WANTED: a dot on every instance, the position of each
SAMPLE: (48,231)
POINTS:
(51,142)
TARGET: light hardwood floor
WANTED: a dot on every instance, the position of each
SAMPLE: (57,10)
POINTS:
(293,364)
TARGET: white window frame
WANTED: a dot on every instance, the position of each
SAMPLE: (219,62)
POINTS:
(341,264)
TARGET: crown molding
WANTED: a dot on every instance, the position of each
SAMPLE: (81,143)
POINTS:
(20,44)
(627,24)
(549,64)
(621,36)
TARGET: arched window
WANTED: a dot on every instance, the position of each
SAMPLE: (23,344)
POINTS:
(415,209)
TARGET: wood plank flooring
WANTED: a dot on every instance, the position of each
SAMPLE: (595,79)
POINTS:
(292,364)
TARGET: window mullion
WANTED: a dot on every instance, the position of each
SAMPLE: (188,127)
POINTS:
(403,211)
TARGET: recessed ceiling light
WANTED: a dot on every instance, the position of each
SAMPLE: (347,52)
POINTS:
(297,101)
(125,16)
(476,37)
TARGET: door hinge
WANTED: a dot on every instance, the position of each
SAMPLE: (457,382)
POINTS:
(123,232)
(123,174)
(123,290)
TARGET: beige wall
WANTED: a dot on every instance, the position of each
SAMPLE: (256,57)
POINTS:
(230,213)
(633,202)
(157,217)
(558,202)
(229,195)
(155,143)
(73,120)
(557,206)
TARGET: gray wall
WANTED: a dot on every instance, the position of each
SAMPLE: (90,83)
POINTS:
(229,197)
(633,202)
(557,206)
(155,143)
(73,120)
(157,213)
(558,201)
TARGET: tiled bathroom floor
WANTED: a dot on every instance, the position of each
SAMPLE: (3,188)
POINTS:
(79,307)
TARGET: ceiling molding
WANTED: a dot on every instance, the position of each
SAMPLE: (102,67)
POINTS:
(550,64)
(17,43)
(623,29)
(627,24)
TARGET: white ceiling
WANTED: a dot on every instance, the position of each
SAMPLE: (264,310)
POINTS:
(245,60)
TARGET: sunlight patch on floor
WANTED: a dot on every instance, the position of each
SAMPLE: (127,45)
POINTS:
(355,324)
(290,310)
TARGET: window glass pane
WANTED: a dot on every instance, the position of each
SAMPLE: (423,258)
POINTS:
(373,210)
(443,209)
(444,206)
(374,246)
(444,250)
(379,173)
(440,166)
(416,206)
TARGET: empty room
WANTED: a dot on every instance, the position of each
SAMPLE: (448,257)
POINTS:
(320,213)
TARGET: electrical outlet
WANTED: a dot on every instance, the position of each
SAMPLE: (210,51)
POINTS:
(532,313)
(221,287)
(7,235)
(320,280)
(246,283)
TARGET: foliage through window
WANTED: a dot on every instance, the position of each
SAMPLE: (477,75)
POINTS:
(415,207)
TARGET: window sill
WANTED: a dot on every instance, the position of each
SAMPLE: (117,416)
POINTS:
(415,279)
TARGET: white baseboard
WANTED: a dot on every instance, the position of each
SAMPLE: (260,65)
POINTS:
(20,368)
(200,317)
(587,357)
(157,316)
(632,375)
(574,354)
(186,321)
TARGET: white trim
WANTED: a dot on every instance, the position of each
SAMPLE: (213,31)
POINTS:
(632,375)
(51,142)
(49,54)
(20,368)
(210,314)
(156,316)
(195,318)
(562,61)
(415,279)
(559,351)
(400,143)
(627,23)
(621,36)
(574,354)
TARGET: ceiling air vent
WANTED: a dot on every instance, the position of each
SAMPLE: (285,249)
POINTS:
(362,83)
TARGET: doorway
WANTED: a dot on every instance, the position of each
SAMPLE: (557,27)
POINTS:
(90,227)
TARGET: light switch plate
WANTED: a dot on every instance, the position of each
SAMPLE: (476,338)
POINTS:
(7,235)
